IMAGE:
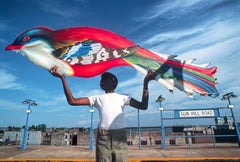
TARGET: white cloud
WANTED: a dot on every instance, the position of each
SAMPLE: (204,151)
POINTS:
(7,104)
(135,80)
(184,39)
(170,9)
(9,81)
(65,9)
(56,100)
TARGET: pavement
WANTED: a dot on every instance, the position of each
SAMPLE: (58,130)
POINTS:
(195,153)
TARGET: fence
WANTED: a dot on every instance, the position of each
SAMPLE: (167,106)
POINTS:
(187,134)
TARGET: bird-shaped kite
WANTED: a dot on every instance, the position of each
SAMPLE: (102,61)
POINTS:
(89,51)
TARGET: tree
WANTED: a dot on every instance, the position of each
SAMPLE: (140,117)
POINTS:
(32,127)
(41,127)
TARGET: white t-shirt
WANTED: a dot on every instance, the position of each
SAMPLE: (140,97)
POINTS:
(110,106)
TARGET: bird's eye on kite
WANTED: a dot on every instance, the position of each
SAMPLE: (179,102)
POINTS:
(26,38)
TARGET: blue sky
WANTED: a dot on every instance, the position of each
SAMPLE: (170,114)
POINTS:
(206,30)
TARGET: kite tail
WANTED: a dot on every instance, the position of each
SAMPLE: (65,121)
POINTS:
(171,72)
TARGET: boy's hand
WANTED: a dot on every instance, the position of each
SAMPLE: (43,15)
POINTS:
(54,71)
(151,75)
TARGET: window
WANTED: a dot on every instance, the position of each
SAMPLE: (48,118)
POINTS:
(158,142)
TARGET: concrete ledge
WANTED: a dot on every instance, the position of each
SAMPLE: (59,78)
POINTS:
(197,153)
(212,159)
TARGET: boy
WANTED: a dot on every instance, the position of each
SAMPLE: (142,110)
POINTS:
(111,143)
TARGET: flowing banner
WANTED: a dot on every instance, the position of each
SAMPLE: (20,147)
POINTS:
(89,51)
(196,113)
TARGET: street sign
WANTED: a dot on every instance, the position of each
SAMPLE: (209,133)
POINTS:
(196,113)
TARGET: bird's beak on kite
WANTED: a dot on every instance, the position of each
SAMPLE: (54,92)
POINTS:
(13,47)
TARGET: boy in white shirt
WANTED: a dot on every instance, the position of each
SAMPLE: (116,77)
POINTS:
(111,144)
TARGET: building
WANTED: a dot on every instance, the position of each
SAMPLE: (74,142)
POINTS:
(149,136)
(152,136)
(33,138)
(225,132)
(73,136)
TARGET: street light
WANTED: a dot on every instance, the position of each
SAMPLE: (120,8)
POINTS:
(160,99)
(139,132)
(91,142)
(28,111)
(227,97)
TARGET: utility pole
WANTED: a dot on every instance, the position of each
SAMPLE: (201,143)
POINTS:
(160,99)
(230,106)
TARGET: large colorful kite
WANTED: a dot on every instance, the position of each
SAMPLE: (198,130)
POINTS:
(89,51)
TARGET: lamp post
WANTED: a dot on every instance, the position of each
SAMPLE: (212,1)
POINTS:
(139,131)
(25,133)
(227,97)
(160,99)
(91,130)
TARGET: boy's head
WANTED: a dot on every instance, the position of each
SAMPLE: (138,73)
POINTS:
(108,81)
